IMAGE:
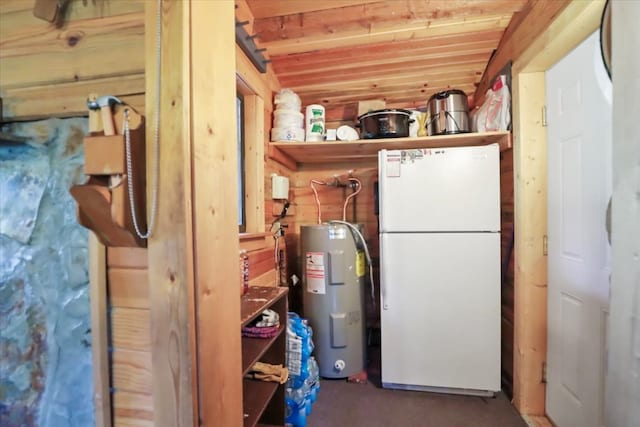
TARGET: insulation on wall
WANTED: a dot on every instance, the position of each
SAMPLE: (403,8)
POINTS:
(45,337)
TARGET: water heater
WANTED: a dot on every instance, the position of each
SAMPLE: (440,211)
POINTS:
(333,271)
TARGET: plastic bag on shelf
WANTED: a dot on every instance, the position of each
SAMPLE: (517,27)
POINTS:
(495,113)
(286,99)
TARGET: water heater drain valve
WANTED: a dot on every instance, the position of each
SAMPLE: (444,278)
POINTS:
(339,365)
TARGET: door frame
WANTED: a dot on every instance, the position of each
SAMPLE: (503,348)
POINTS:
(573,25)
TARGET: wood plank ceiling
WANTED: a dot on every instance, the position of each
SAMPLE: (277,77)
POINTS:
(339,52)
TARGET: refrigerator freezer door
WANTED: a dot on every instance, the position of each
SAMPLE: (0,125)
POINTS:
(445,189)
(440,314)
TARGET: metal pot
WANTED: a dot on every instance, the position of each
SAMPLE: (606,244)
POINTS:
(388,123)
(448,112)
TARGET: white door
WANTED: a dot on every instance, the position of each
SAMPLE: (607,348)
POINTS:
(579,186)
(440,317)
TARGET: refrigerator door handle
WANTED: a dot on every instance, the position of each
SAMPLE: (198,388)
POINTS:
(383,282)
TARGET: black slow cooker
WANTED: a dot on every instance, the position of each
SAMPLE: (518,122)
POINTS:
(387,123)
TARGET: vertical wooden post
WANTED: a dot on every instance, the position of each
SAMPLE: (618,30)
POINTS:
(530,287)
(215,212)
(99,335)
(170,247)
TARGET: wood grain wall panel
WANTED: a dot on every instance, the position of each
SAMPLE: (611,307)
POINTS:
(129,287)
(132,409)
(49,70)
(127,257)
(70,99)
(86,49)
(131,329)
(327,23)
(19,13)
(131,371)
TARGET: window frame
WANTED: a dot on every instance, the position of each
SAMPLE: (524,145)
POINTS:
(254,148)
(240,143)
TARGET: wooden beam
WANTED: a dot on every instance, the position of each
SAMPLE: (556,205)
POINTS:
(532,21)
(99,331)
(574,24)
(214,160)
(530,191)
(266,9)
(169,248)
(387,33)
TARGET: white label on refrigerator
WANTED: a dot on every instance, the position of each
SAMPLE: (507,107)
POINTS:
(410,156)
(393,165)
(315,273)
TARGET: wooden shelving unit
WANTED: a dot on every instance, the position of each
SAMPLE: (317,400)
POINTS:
(296,153)
(263,402)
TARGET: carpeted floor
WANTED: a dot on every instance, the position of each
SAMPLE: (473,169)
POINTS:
(343,404)
(365,405)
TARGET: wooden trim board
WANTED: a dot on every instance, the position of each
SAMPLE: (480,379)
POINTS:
(214,213)
(169,248)
(99,331)
(574,23)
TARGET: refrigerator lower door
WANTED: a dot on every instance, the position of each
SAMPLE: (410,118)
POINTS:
(440,312)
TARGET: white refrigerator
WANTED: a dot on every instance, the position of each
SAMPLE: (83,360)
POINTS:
(440,305)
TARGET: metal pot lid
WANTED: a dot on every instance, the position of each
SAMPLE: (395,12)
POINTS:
(385,111)
(447,93)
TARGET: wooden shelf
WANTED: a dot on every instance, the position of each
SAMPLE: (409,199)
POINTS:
(263,401)
(254,348)
(257,299)
(255,398)
(296,153)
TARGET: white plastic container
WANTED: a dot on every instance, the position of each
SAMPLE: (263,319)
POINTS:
(288,119)
(314,123)
(287,134)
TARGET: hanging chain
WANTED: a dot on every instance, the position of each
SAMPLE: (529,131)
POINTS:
(156,146)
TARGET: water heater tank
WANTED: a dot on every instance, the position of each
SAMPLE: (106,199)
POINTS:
(333,271)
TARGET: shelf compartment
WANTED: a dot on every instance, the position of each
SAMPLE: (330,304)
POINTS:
(256,398)
(254,348)
(367,149)
(256,300)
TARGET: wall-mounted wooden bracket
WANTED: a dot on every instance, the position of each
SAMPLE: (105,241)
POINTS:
(103,201)
(248,46)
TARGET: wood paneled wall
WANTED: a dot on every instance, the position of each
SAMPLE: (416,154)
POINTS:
(332,201)
(130,344)
(49,70)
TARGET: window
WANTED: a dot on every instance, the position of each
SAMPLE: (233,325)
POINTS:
(251,140)
(242,225)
